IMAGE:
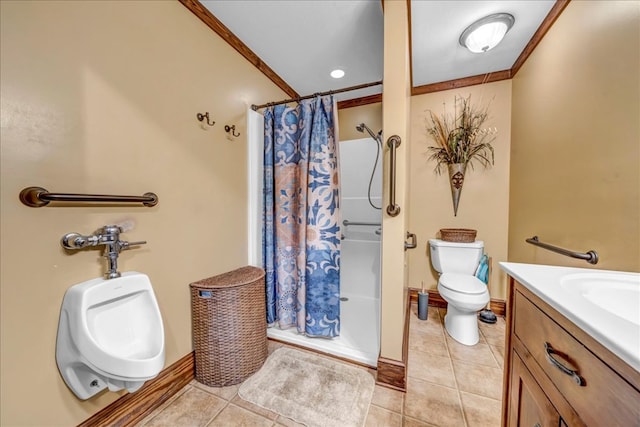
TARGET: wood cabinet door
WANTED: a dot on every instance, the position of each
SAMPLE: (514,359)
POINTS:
(528,405)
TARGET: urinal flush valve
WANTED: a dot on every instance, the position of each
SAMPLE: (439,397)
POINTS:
(109,236)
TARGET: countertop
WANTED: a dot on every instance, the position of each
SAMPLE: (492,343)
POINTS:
(620,336)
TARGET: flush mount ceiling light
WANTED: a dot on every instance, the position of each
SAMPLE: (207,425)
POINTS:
(337,73)
(486,33)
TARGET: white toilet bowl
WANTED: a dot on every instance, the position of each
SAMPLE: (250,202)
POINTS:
(465,295)
(110,334)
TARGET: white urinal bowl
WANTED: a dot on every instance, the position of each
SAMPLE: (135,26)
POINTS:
(110,335)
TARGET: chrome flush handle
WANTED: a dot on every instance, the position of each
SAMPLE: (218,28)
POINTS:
(109,236)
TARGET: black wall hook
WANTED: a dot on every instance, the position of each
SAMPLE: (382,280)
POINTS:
(232,130)
(201,117)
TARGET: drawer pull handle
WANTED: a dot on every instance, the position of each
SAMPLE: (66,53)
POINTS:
(573,374)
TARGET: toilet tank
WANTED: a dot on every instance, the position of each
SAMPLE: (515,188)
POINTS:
(454,257)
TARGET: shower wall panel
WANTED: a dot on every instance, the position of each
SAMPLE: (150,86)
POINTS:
(360,252)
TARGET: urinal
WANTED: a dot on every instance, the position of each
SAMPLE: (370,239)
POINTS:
(110,334)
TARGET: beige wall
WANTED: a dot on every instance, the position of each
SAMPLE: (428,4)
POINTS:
(349,118)
(101,97)
(395,121)
(575,172)
(484,202)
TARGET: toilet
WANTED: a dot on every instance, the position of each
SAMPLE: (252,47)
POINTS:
(110,334)
(464,293)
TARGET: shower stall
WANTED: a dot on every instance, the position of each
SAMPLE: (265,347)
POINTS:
(361,198)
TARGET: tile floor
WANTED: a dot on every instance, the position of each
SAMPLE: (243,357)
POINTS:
(448,384)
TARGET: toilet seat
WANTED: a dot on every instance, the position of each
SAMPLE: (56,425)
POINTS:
(462,283)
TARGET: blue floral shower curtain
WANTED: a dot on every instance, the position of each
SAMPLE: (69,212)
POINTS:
(301,233)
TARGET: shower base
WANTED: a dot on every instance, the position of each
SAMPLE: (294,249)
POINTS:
(359,338)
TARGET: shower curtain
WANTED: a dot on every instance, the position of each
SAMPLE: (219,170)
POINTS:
(301,228)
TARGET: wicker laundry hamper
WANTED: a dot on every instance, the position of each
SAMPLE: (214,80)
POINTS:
(229,326)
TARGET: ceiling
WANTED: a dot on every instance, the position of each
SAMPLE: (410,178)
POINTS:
(303,41)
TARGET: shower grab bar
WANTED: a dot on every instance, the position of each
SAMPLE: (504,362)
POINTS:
(393,143)
(347,223)
(591,256)
(37,197)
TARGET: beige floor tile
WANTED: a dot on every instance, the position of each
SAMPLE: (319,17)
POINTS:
(442,312)
(193,408)
(493,333)
(478,379)
(431,327)
(481,411)
(159,409)
(431,368)
(235,416)
(437,365)
(428,343)
(380,417)
(273,345)
(286,422)
(433,315)
(432,403)
(412,422)
(226,393)
(254,408)
(498,353)
(388,399)
(479,353)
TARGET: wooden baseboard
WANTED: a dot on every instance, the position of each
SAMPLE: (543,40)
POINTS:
(393,373)
(435,300)
(133,407)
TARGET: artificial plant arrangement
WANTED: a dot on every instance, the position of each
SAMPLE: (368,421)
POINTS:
(461,140)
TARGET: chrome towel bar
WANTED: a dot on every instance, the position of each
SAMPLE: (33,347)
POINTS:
(37,197)
(347,223)
(591,256)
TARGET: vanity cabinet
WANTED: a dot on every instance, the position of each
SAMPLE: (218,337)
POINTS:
(558,375)
(532,407)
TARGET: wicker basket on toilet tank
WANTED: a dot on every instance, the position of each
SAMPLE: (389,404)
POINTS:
(460,235)
(229,326)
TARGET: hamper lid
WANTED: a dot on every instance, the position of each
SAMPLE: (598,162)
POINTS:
(238,277)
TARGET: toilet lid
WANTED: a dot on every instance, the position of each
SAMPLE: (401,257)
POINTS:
(463,283)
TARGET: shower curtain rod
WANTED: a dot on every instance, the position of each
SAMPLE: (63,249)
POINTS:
(329,92)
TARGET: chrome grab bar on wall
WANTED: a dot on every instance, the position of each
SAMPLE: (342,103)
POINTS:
(591,256)
(393,143)
(37,197)
(347,223)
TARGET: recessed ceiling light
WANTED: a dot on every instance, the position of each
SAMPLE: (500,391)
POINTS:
(486,33)
(337,73)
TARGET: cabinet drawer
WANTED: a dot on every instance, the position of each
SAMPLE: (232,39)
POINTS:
(604,398)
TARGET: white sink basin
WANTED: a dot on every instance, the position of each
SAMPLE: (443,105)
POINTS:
(617,293)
